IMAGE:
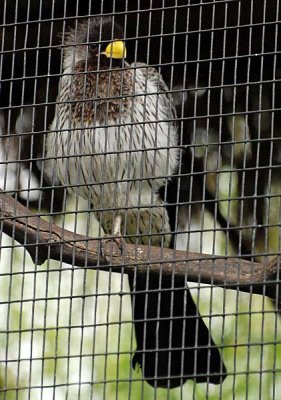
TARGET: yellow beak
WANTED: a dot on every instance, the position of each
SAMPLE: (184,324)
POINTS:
(116,49)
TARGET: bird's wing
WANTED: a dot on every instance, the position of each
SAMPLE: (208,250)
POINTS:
(164,95)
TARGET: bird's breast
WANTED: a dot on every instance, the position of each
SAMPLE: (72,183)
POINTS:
(100,95)
(111,146)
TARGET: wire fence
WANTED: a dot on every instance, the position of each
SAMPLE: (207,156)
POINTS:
(140,199)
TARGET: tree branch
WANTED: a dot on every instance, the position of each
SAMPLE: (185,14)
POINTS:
(44,240)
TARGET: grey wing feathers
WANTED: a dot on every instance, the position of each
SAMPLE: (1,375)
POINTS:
(162,89)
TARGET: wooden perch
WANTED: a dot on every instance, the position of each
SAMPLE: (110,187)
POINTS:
(47,241)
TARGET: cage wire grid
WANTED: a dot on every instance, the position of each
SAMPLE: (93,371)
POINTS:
(210,108)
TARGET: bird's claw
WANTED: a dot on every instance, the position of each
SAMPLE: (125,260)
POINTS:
(119,241)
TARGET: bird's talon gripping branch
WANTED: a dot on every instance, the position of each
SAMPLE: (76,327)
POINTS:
(115,236)
(119,241)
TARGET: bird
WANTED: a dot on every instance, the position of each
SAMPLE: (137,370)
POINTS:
(114,141)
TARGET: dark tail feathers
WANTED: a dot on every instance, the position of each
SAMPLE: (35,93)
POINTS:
(173,343)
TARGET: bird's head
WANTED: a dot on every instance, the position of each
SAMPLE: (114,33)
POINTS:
(98,41)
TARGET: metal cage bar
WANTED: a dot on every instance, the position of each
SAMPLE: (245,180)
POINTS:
(195,128)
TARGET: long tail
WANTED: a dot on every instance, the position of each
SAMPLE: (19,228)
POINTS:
(173,342)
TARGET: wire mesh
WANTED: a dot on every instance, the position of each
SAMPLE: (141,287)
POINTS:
(198,139)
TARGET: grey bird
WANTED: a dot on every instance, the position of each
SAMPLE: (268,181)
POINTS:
(114,141)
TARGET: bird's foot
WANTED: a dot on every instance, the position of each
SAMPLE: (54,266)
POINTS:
(115,237)
(108,239)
